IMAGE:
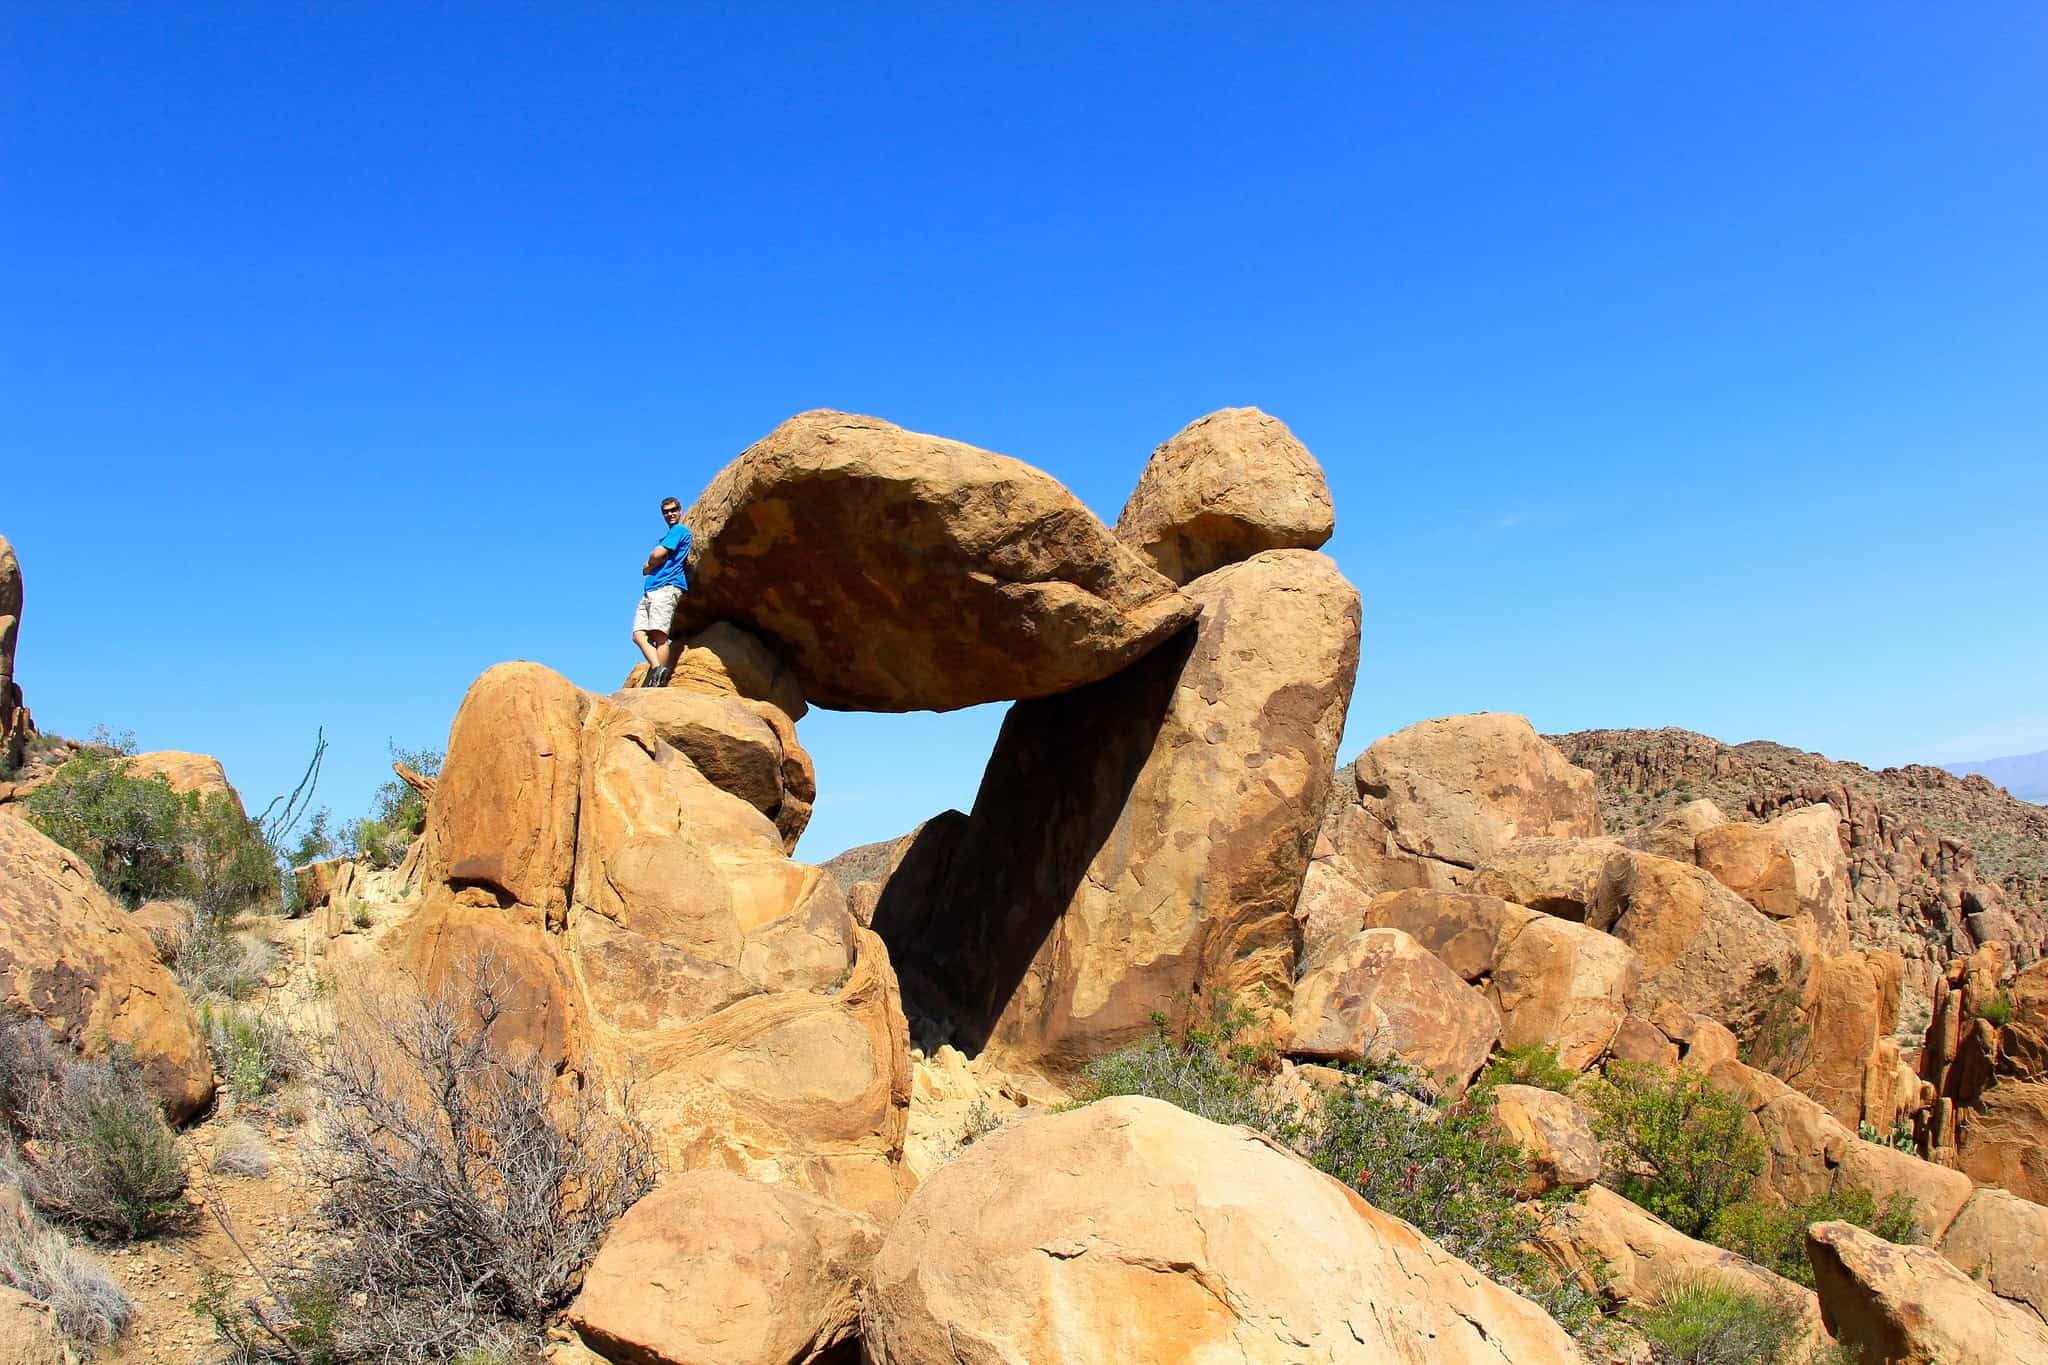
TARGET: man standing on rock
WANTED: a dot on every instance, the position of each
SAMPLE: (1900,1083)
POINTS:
(661,595)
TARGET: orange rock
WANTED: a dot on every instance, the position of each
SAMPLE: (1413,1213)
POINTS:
(1555,1134)
(1792,868)
(1385,993)
(1907,1304)
(1564,985)
(199,773)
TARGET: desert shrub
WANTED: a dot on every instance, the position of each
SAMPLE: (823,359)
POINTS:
(463,1187)
(1200,1068)
(1531,1064)
(1780,1043)
(239,1151)
(130,830)
(1710,1322)
(42,1263)
(100,1156)
(214,962)
(1997,1010)
(252,1050)
(28,1062)
(397,812)
(1775,1236)
(1674,1142)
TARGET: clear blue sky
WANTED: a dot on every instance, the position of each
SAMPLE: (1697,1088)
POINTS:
(1671,364)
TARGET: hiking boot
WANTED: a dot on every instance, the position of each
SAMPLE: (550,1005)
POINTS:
(657,677)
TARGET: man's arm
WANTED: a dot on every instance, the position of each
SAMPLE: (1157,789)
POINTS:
(654,558)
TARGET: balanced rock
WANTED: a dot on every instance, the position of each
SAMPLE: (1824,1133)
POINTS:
(1793,868)
(654,926)
(1227,487)
(1132,1231)
(714,1267)
(1907,1305)
(1385,993)
(898,572)
(1428,805)
(1146,835)
(71,957)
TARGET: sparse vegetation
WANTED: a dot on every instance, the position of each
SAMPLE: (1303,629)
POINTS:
(238,1151)
(1674,1141)
(41,1262)
(252,1050)
(1997,1011)
(1774,1236)
(1780,1041)
(1710,1322)
(397,812)
(1531,1064)
(98,1155)
(464,1187)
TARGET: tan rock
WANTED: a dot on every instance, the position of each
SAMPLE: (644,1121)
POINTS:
(1676,834)
(504,817)
(1085,893)
(1794,867)
(72,958)
(1227,487)
(2003,1138)
(1564,985)
(1554,1132)
(1639,1040)
(1384,992)
(713,1267)
(799,775)
(166,923)
(1909,1305)
(1464,930)
(1557,877)
(29,1334)
(1129,1230)
(1702,947)
(1330,909)
(1850,1004)
(735,748)
(1637,1257)
(1035,596)
(726,659)
(2001,1241)
(201,774)
(1429,805)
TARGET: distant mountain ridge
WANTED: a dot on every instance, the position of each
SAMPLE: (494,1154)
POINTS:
(2024,775)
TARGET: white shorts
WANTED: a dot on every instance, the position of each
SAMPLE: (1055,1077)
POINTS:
(657,609)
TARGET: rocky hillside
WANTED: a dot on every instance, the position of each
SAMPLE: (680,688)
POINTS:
(2024,775)
(1946,861)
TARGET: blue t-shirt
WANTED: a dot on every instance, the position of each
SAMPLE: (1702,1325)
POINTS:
(669,573)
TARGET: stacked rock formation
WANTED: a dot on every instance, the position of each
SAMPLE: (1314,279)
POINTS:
(14,719)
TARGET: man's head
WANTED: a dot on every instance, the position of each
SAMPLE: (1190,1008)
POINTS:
(671,511)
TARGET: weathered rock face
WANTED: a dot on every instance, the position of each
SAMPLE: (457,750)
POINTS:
(1998,1240)
(1555,1132)
(656,927)
(1428,805)
(1564,985)
(1384,992)
(200,773)
(712,1267)
(1908,1304)
(725,660)
(898,572)
(29,1333)
(1466,931)
(10,630)
(1145,835)
(1676,833)
(1792,868)
(1990,1078)
(1618,1248)
(1227,487)
(1132,1231)
(70,957)
(1851,1006)
(746,748)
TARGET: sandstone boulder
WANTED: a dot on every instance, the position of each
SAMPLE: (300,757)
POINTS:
(746,748)
(713,1267)
(1384,992)
(2003,1138)
(897,571)
(1793,868)
(1626,1251)
(1129,1230)
(1428,805)
(72,958)
(1555,1134)
(1851,1005)
(29,1333)
(201,774)
(1227,487)
(1676,833)
(2001,1241)
(1558,877)
(1563,985)
(657,930)
(1146,835)
(1331,907)
(1464,930)
(726,660)
(1907,1304)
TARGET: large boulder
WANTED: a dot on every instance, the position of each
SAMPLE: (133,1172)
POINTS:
(1129,1230)
(197,774)
(1225,488)
(727,660)
(30,1333)
(2001,1241)
(1553,1132)
(1625,1251)
(72,958)
(1385,993)
(1850,1007)
(1792,868)
(899,572)
(1465,930)
(1428,805)
(658,930)
(713,1267)
(748,748)
(1144,836)
(1907,1305)
(1563,985)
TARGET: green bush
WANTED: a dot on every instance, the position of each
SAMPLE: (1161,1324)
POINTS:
(100,1156)
(1775,1237)
(397,812)
(1709,1322)
(253,1051)
(1531,1064)
(1997,1010)
(1674,1142)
